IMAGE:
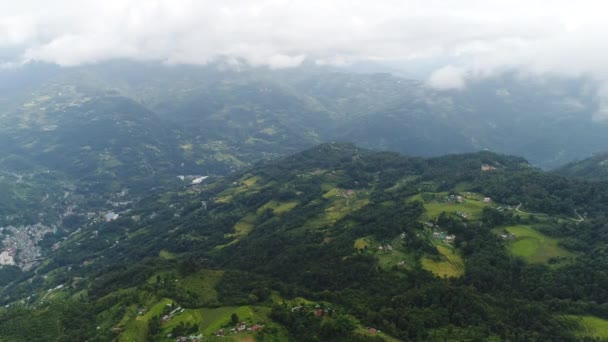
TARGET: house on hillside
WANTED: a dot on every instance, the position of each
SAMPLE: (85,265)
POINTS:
(487,167)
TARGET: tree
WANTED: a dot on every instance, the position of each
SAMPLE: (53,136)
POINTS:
(234,318)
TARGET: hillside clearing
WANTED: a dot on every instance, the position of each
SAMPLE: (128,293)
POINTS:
(533,246)
(450,264)
(591,326)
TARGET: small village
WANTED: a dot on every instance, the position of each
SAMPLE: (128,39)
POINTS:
(240,327)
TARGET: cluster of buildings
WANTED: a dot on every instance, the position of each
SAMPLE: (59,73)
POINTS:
(166,318)
(317,310)
(238,328)
(23,241)
(487,167)
(454,199)
(444,236)
(508,236)
(111,216)
(462,214)
(386,247)
(440,234)
(7,256)
(191,338)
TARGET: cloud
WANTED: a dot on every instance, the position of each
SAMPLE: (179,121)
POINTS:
(464,38)
(448,77)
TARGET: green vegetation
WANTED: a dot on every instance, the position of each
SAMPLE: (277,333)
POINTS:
(533,246)
(137,329)
(591,326)
(278,207)
(244,226)
(334,243)
(447,264)
(436,203)
(166,255)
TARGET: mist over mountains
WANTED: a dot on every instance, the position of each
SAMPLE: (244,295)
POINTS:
(259,112)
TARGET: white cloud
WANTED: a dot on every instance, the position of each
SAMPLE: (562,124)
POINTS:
(448,77)
(464,38)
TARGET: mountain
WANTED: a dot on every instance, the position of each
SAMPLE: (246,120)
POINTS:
(333,243)
(235,115)
(594,168)
(142,200)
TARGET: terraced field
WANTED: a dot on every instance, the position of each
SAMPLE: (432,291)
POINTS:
(449,265)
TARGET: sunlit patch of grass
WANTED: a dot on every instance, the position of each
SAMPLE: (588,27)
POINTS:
(362,243)
(166,255)
(278,207)
(245,225)
(251,181)
(533,246)
(450,263)
(590,326)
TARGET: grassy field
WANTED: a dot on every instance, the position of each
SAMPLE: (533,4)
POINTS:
(384,337)
(214,319)
(533,246)
(341,205)
(189,316)
(136,329)
(166,255)
(244,225)
(203,283)
(473,208)
(591,326)
(247,184)
(473,205)
(337,207)
(251,181)
(450,265)
(209,320)
(241,229)
(278,207)
(361,243)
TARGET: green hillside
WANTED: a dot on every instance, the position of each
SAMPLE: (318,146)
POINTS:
(324,245)
(594,168)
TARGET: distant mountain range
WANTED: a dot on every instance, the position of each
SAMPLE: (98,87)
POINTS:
(222,117)
(593,168)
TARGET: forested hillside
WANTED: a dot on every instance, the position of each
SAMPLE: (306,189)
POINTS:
(333,243)
(594,168)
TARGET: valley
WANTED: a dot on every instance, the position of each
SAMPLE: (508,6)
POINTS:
(146,215)
(312,171)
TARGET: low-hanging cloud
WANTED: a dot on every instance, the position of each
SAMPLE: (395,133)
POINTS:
(465,38)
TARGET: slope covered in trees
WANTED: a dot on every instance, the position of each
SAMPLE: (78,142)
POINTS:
(334,243)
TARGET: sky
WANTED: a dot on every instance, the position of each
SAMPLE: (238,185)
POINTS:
(460,39)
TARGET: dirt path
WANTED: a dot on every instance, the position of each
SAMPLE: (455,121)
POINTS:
(577,220)
(580,217)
